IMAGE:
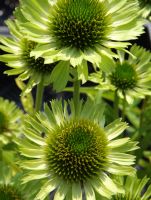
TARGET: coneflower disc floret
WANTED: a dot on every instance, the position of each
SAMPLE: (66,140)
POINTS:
(80,24)
(30,61)
(124,77)
(78,150)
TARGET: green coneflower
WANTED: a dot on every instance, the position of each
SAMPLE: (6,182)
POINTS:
(75,155)
(132,76)
(9,192)
(18,58)
(10,120)
(134,189)
(80,31)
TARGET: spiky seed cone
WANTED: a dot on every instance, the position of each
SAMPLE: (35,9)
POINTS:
(77,150)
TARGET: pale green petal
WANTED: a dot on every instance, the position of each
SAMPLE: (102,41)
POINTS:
(58,111)
(76,191)
(121,170)
(89,192)
(39,21)
(147,193)
(103,191)
(116,6)
(36,164)
(48,187)
(10,43)
(119,142)
(121,158)
(14,71)
(35,175)
(34,137)
(34,123)
(109,184)
(9,57)
(13,29)
(61,191)
(32,153)
(115,129)
(49,114)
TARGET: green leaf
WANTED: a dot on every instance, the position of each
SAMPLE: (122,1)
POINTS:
(26,99)
(60,75)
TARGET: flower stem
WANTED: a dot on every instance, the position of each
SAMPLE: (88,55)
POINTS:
(116,104)
(39,96)
(144,104)
(124,106)
(76,96)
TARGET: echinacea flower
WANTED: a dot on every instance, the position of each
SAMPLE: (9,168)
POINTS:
(80,31)
(11,187)
(9,192)
(75,154)
(134,189)
(10,120)
(131,74)
(18,58)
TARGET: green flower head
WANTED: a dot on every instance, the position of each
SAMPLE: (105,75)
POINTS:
(132,76)
(75,154)
(134,189)
(10,120)
(8,192)
(80,31)
(18,58)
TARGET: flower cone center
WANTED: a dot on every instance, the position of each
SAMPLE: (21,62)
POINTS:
(32,63)
(124,77)
(80,24)
(77,150)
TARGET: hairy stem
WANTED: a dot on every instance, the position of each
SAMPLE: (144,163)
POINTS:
(76,96)
(116,104)
(124,107)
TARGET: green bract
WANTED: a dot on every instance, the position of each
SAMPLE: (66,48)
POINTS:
(10,120)
(75,154)
(18,58)
(134,189)
(80,31)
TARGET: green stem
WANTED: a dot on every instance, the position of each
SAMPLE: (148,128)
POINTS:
(144,102)
(124,106)
(116,104)
(39,96)
(76,96)
(143,142)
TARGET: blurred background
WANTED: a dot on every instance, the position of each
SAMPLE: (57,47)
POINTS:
(8,87)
